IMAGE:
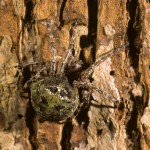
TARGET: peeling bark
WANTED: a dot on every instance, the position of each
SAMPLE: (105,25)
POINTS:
(101,27)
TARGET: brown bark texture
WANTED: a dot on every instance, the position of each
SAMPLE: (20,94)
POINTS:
(102,26)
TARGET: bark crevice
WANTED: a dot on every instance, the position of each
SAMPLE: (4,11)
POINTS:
(66,135)
(133,33)
(29,11)
(61,12)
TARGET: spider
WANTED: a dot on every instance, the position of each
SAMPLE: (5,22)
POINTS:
(52,95)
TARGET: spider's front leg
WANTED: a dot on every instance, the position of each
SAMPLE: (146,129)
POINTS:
(91,87)
(69,63)
(36,76)
(52,28)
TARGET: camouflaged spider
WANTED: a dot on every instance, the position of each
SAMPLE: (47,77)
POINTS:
(53,96)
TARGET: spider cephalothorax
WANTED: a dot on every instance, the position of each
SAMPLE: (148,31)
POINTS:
(53,96)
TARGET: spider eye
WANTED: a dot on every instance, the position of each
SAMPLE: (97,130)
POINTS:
(44,100)
(63,93)
(53,89)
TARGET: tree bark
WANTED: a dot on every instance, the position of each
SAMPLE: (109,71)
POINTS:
(102,26)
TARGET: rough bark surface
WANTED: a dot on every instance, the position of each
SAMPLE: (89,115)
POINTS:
(101,27)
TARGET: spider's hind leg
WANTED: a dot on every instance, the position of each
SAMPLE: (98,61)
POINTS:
(92,87)
(87,73)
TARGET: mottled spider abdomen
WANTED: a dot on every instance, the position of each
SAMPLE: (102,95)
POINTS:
(54,98)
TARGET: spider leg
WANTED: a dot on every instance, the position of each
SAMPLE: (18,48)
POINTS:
(28,64)
(48,24)
(92,86)
(53,49)
(87,73)
(20,66)
(34,78)
(70,48)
